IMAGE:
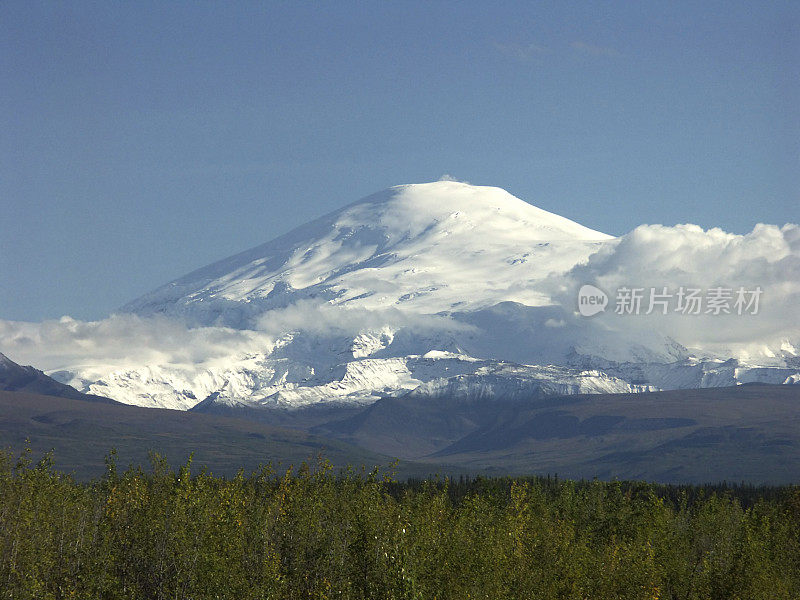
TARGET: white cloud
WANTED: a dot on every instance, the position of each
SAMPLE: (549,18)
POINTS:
(121,341)
(655,256)
(448,177)
(128,341)
(325,319)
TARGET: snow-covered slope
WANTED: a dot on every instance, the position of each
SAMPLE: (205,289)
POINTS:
(423,248)
(432,289)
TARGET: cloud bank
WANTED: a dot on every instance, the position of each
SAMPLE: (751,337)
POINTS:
(657,257)
(122,341)
(650,256)
(128,341)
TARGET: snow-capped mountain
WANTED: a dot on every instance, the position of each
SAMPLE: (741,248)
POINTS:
(435,289)
(423,248)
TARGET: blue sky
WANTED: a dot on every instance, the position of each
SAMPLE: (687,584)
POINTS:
(140,141)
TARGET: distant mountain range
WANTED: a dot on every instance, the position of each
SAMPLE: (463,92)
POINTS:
(437,323)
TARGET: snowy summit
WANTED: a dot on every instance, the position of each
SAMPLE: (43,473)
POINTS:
(428,248)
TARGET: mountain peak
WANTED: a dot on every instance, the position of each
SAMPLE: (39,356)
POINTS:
(432,247)
(422,205)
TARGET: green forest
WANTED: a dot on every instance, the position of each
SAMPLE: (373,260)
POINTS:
(316,532)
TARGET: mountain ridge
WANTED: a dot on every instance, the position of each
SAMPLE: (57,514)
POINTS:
(17,378)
